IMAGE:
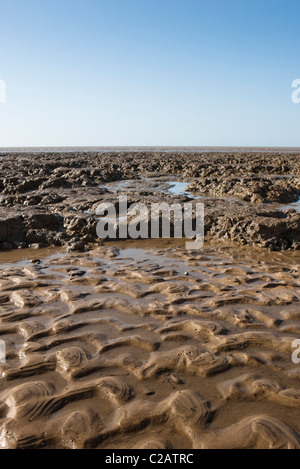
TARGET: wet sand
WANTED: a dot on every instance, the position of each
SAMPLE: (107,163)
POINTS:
(142,344)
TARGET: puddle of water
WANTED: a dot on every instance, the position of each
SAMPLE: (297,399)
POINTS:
(164,187)
(141,249)
(179,188)
(22,257)
(145,244)
(294,205)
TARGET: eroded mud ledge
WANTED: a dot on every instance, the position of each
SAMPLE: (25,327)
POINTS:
(50,199)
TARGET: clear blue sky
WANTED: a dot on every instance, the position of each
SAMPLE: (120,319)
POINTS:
(149,72)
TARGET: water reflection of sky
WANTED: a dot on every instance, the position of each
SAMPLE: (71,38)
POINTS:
(294,205)
(173,187)
(178,188)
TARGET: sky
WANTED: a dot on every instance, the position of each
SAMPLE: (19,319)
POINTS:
(141,72)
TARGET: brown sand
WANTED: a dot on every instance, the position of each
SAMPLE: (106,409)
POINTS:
(146,345)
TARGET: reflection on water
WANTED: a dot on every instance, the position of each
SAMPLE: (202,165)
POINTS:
(178,188)
(294,205)
(23,257)
(141,249)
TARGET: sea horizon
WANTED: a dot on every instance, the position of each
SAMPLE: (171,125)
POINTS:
(167,149)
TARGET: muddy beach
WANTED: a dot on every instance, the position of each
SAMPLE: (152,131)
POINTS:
(250,198)
(142,343)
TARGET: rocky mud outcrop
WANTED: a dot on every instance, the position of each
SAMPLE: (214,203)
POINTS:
(51,198)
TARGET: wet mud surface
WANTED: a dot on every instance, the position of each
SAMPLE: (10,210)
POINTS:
(147,345)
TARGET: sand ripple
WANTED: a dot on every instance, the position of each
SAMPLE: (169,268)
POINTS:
(119,348)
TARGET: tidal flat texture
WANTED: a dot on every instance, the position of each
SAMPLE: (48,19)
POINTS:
(143,343)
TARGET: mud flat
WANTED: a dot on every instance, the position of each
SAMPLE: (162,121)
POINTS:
(144,344)
(147,345)
(50,199)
